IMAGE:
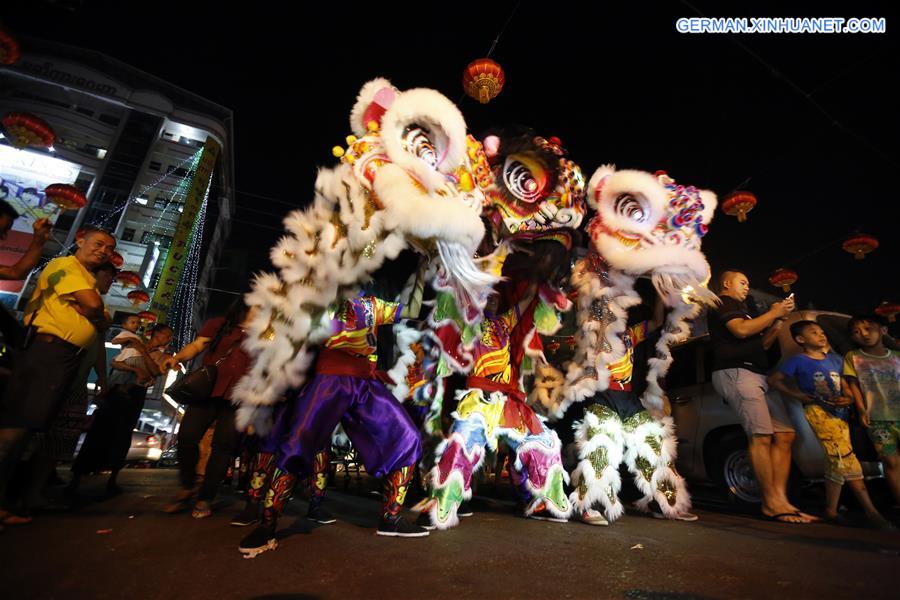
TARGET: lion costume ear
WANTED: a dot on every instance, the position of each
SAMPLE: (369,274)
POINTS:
(373,100)
(491,146)
(595,186)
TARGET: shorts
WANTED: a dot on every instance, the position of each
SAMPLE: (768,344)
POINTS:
(745,391)
(841,464)
(885,436)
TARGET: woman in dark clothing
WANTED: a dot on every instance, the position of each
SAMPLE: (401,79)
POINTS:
(109,437)
(221,339)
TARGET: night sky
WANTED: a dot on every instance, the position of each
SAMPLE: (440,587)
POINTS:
(810,120)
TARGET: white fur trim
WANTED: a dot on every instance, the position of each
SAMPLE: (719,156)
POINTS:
(434,111)
(637,446)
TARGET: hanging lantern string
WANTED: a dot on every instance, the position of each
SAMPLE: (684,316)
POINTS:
(808,96)
(741,185)
(503,29)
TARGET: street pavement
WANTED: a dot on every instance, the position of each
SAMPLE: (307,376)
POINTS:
(126,547)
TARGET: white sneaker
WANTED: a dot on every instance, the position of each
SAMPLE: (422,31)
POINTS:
(594,517)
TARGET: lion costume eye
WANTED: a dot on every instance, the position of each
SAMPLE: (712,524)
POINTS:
(525,178)
(417,141)
(630,207)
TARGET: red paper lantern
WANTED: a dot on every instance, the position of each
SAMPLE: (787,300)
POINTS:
(739,204)
(128,278)
(115,258)
(146,317)
(138,297)
(9,48)
(65,196)
(483,79)
(26,129)
(784,278)
(859,245)
(888,310)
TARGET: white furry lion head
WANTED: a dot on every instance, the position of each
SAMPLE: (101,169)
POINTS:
(646,223)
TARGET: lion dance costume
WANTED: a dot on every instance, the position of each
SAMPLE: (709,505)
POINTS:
(646,224)
(405,183)
(533,195)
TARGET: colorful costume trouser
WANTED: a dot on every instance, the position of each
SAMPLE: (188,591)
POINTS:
(272,487)
(646,445)
(375,422)
(479,423)
(377,425)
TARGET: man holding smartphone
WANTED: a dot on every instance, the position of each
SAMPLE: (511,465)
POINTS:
(740,366)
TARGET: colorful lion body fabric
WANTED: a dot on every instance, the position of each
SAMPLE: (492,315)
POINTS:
(403,183)
(532,193)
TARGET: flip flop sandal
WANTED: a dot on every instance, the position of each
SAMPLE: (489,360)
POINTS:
(780,518)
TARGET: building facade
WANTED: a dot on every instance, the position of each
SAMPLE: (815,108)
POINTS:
(131,142)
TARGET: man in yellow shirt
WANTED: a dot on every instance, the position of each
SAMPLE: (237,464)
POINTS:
(67,311)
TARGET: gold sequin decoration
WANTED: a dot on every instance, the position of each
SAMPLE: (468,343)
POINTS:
(644,467)
(269,334)
(315,248)
(599,460)
(369,250)
(667,490)
(340,230)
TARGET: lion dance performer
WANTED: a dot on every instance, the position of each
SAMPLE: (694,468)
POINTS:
(404,184)
(534,201)
(645,224)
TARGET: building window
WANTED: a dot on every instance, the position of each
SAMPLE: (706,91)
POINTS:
(160,202)
(164,240)
(155,166)
(85,111)
(109,120)
(128,235)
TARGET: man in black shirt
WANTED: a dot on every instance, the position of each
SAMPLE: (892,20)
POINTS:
(740,365)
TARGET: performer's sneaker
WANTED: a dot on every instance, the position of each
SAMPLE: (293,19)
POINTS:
(682,516)
(594,517)
(464,510)
(657,513)
(541,513)
(397,526)
(248,516)
(319,513)
(424,520)
(261,539)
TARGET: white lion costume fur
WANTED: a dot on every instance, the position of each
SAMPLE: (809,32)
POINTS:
(398,186)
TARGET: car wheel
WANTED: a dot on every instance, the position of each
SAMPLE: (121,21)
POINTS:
(731,468)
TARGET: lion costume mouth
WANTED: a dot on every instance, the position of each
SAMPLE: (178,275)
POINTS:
(626,240)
